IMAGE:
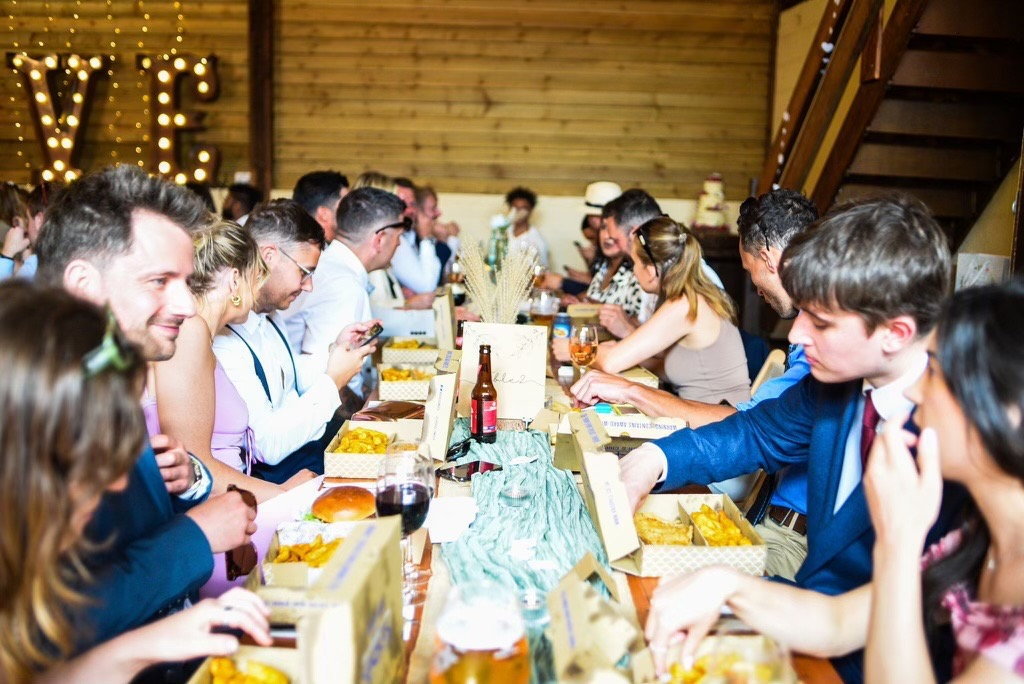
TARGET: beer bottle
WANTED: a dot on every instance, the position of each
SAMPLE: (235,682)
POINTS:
(483,415)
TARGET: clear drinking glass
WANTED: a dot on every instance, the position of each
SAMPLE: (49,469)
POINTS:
(481,637)
(583,346)
(543,307)
(404,485)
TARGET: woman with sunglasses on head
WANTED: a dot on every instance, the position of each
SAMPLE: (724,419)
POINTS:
(71,430)
(970,403)
(693,324)
(196,402)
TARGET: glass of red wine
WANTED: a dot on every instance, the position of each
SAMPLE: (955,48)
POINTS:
(404,485)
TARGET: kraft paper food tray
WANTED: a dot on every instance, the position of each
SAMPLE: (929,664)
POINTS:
(360,591)
(642,376)
(609,507)
(408,390)
(590,634)
(338,464)
(427,353)
(755,649)
(590,431)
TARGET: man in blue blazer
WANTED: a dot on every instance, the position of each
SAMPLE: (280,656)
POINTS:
(120,238)
(869,280)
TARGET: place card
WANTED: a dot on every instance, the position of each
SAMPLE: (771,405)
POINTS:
(518,357)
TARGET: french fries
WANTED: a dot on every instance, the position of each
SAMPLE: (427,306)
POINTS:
(717,528)
(363,441)
(314,554)
(402,374)
(722,668)
(406,344)
(224,671)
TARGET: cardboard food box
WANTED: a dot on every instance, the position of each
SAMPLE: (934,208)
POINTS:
(313,659)
(590,431)
(425,352)
(414,389)
(296,573)
(444,318)
(641,376)
(359,595)
(609,508)
(591,634)
(341,464)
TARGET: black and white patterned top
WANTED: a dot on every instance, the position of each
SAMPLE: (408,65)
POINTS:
(623,290)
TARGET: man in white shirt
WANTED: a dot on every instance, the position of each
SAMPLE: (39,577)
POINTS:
(415,263)
(319,193)
(291,402)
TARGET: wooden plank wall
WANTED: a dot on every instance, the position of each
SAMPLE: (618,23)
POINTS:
(476,95)
(119,118)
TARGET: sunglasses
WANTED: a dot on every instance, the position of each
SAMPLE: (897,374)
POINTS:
(641,236)
(404,224)
(113,352)
(307,273)
(241,560)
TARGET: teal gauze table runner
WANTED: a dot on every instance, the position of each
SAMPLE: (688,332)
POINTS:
(526,541)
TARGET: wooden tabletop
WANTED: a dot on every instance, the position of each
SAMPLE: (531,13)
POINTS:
(810,670)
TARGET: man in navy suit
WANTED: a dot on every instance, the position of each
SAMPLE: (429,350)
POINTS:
(869,281)
(120,238)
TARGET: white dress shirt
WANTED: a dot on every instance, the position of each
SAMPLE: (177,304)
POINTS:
(890,401)
(298,408)
(340,297)
(531,238)
(416,268)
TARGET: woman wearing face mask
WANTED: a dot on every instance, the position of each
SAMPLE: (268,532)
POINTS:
(970,402)
(71,430)
(693,325)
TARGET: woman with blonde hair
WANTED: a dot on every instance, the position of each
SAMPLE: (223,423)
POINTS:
(693,325)
(196,402)
(71,430)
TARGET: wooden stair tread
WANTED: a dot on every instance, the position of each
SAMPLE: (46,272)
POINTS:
(991,19)
(909,161)
(947,119)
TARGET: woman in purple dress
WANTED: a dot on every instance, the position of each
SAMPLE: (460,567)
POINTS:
(196,402)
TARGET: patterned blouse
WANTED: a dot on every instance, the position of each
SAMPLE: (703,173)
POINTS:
(995,631)
(623,290)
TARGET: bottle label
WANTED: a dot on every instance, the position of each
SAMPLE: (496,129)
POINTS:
(485,415)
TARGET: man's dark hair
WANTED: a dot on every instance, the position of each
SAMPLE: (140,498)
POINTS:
(284,222)
(879,259)
(772,219)
(365,210)
(43,196)
(249,196)
(202,191)
(92,218)
(403,182)
(318,189)
(632,208)
(423,193)
(522,193)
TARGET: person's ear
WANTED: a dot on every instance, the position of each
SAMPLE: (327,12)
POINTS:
(234,280)
(269,253)
(83,279)
(324,215)
(898,333)
(770,256)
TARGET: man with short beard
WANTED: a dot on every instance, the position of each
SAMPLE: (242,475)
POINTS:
(119,238)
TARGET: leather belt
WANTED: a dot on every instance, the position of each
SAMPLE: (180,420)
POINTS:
(787,517)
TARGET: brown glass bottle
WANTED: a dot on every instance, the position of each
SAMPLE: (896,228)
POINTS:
(483,416)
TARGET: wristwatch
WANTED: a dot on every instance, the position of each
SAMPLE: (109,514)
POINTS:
(197,470)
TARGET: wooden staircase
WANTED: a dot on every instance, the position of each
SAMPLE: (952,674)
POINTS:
(938,110)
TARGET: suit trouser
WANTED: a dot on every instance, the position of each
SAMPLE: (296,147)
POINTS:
(787,549)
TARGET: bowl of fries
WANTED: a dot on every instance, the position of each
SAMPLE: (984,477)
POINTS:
(410,350)
(406,381)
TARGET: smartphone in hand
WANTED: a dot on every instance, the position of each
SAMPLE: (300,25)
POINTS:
(370,335)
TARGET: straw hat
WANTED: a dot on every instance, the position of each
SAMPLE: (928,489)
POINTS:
(599,194)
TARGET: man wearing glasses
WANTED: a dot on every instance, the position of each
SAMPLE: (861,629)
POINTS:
(370,223)
(291,402)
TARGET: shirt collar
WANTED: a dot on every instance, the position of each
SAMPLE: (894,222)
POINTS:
(890,400)
(341,253)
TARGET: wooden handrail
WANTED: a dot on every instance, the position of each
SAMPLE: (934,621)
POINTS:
(870,93)
(838,41)
(803,91)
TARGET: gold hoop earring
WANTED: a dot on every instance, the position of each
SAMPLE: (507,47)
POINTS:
(236,300)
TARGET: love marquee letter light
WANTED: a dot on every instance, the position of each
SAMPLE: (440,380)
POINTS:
(167,120)
(59,124)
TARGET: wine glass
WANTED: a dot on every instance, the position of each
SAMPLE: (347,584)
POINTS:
(583,346)
(404,484)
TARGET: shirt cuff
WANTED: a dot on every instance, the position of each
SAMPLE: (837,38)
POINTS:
(655,451)
(201,488)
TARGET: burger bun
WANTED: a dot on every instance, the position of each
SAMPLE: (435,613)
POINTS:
(343,504)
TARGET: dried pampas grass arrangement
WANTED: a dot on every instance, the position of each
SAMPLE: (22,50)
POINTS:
(497,301)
